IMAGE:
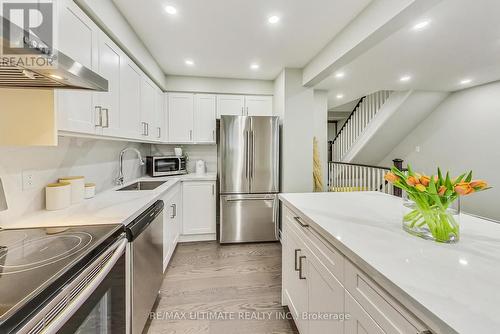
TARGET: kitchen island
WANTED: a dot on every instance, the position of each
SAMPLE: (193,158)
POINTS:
(387,280)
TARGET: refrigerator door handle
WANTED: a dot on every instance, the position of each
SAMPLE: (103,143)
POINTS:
(246,155)
(241,199)
(252,160)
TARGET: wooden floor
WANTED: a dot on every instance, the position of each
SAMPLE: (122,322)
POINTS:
(222,290)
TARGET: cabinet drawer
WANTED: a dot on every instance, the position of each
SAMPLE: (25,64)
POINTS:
(384,309)
(359,321)
(328,255)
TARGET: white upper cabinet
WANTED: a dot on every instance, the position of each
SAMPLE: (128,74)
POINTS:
(160,115)
(108,103)
(259,105)
(230,105)
(79,39)
(204,118)
(180,117)
(148,109)
(130,100)
(240,105)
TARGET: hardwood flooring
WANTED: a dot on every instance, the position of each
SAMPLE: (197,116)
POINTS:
(230,289)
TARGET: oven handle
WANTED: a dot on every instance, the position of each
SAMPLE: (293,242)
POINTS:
(118,249)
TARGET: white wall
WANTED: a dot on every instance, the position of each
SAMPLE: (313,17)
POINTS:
(110,19)
(298,132)
(97,160)
(461,134)
(208,153)
(218,85)
(321,130)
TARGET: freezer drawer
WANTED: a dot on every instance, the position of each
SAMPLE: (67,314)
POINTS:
(248,218)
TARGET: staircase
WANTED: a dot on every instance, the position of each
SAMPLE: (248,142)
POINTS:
(356,123)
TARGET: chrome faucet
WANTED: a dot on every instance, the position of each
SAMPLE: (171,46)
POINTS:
(120,178)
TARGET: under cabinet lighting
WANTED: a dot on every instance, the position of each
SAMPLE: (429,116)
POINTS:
(254,67)
(340,96)
(465,81)
(189,62)
(339,75)
(57,77)
(405,78)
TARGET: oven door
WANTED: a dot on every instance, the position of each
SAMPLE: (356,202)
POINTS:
(166,166)
(95,302)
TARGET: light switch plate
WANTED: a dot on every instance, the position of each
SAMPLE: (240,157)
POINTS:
(28,179)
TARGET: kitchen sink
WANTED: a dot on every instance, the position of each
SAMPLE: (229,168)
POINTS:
(142,185)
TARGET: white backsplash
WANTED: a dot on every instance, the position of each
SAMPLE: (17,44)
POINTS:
(97,160)
(208,153)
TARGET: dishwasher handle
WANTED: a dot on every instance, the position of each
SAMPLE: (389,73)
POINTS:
(138,225)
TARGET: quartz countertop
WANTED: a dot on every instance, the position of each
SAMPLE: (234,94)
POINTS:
(453,288)
(107,207)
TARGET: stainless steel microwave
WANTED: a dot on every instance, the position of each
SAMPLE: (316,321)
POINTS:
(166,165)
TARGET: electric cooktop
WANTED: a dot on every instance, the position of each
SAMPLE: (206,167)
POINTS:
(33,259)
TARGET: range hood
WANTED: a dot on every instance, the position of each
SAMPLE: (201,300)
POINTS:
(65,73)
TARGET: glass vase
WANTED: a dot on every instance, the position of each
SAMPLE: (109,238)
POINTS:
(438,223)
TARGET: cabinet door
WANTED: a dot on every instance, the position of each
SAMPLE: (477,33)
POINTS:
(359,322)
(230,105)
(180,117)
(167,229)
(130,100)
(79,40)
(148,109)
(109,102)
(259,105)
(326,296)
(160,117)
(204,118)
(177,217)
(199,195)
(295,281)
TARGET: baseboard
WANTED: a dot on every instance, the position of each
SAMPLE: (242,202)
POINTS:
(197,237)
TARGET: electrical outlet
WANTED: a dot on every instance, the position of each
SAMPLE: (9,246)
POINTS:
(417,149)
(28,179)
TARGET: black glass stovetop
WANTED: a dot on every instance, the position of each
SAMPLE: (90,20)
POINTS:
(34,258)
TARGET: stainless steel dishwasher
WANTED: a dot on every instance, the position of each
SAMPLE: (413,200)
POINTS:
(144,265)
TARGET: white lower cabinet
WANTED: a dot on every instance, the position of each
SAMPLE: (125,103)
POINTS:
(172,220)
(320,286)
(198,211)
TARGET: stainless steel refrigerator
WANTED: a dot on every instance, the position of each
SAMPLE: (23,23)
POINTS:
(249,178)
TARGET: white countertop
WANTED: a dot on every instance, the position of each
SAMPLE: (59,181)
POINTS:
(108,207)
(455,287)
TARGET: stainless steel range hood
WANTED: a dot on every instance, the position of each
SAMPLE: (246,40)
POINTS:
(65,73)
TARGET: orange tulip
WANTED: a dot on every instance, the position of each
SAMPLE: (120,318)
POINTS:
(391,177)
(425,180)
(442,190)
(420,187)
(412,181)
(463,188)
(481,184)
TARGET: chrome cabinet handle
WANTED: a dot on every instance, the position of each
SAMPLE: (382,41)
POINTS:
(297,219)
(295,260)
(147,129)
(301,276)
(98,116)
(190,134)
(159,132)
(144,128)
(106,112)
(213,135)
(243,111)
(174,210)
(213,189)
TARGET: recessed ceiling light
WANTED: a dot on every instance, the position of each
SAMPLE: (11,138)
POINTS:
(189,62)
(273,19)
(339,75)
(340,96)
(171,10)
(56,77)
(255,66)
(405,78)
(465,81)
(421,25)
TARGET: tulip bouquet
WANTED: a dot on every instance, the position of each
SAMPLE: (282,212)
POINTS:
(430,213)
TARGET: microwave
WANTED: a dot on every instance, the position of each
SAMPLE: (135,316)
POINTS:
(166,165)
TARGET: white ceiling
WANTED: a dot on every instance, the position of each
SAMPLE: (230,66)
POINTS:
(223,37)
(462,41)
